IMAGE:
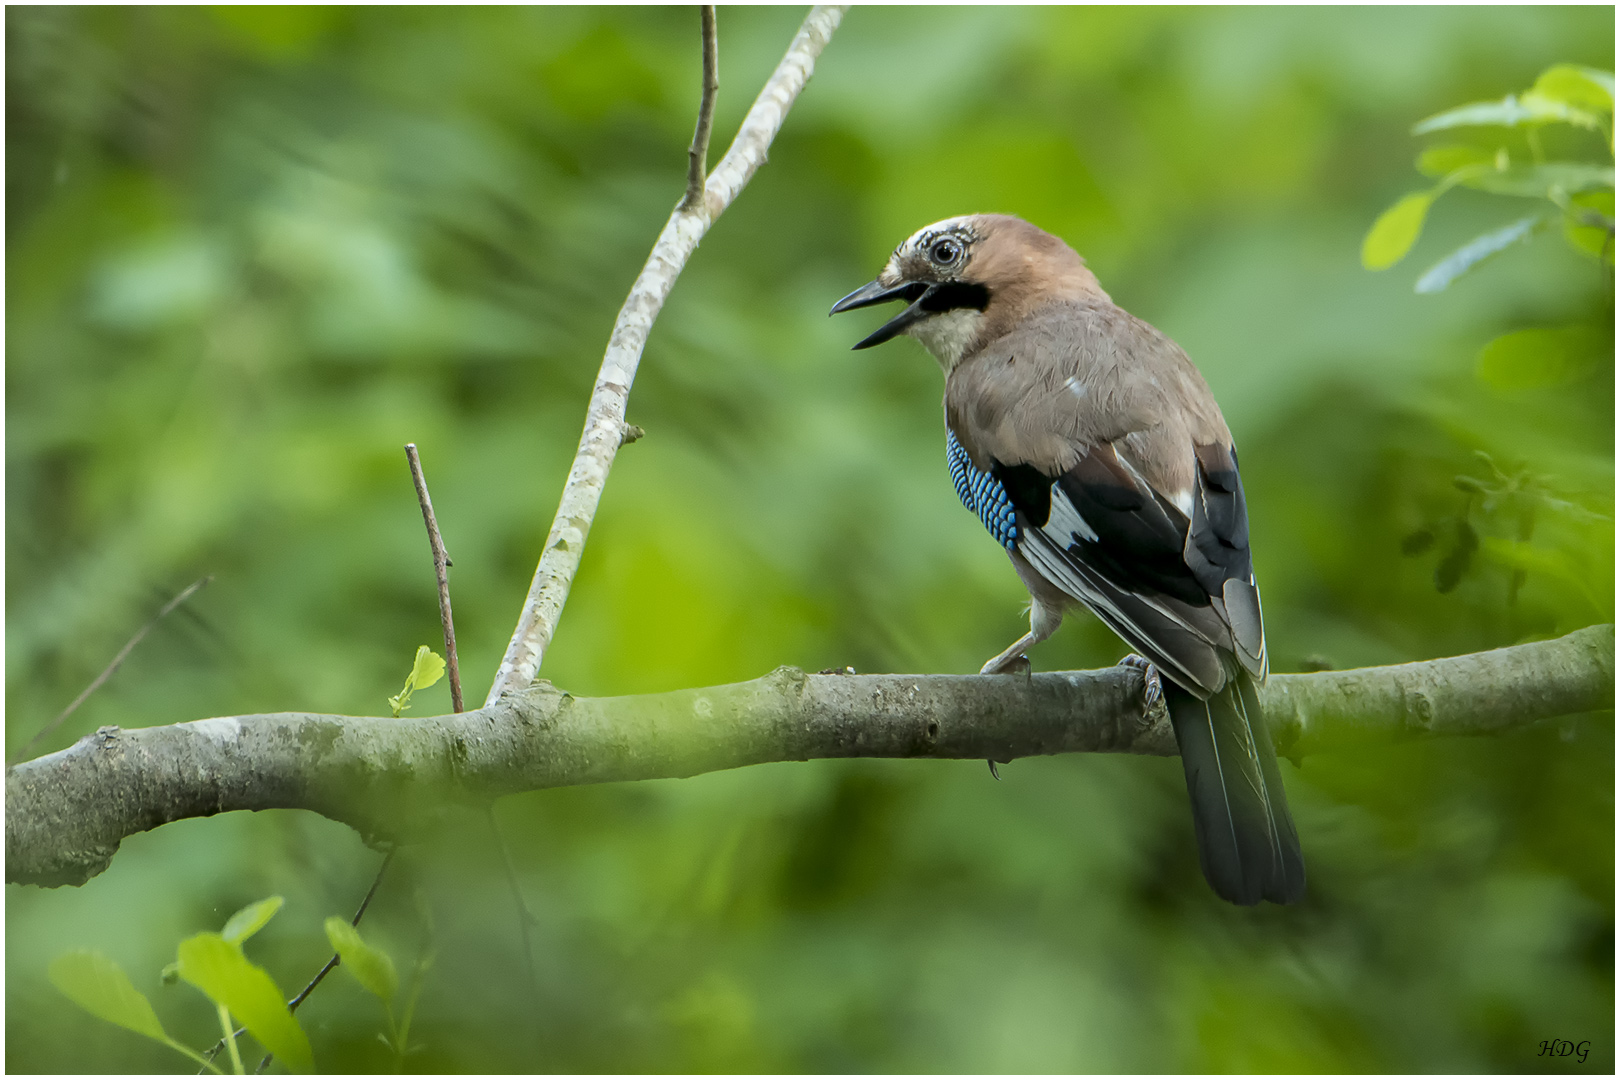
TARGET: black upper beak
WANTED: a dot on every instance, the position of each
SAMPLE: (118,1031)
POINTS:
(875,292)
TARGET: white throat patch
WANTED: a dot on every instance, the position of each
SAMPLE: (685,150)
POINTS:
(948,334)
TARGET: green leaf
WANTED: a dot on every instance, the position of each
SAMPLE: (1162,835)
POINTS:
(1447,158)
(250,920)
(1511,111)
(1551,110)
(1538,181)
(1505,113)
(1527,359)
(428,669)
(1476,251)
(1395,231)
(1455,565)
(373,968)
(218,968)
(1416,543)
(1581,87)
(99,986)
(1589,223)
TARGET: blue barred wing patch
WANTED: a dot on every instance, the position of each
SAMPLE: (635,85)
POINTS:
(982,493)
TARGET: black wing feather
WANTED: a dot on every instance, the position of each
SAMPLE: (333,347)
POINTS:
(1180,590)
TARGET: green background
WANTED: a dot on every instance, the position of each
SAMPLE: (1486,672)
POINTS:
(252,252)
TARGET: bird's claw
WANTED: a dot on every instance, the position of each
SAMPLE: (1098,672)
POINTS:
(1153,706)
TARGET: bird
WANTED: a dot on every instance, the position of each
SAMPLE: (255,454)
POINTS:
(1095,454)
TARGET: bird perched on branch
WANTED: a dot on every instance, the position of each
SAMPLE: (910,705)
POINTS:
(1094,452)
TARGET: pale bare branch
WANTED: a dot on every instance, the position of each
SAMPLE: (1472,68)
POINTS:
(605,427)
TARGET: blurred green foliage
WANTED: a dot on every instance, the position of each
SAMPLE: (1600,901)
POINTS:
(240,990)
(1578,190)
(253,251)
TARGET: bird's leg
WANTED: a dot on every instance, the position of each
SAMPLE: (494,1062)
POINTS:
(1010,659)
(1044,619)
(1153,706)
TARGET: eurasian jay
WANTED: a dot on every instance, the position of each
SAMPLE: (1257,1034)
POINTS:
(1094,452)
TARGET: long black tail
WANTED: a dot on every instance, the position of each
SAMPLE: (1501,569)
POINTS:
(1246,840)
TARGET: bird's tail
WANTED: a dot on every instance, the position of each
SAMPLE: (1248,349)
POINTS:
(1246,840)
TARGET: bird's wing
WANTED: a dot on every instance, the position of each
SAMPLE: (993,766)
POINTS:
(1127,495)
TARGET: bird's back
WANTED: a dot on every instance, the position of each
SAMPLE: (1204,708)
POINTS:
(1124,484)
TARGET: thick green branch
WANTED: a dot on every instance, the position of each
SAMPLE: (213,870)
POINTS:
(67,812)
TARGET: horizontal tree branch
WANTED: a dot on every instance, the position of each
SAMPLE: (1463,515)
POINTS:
(66,812)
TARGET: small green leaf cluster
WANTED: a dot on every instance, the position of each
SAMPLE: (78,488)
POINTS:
(374,970)
(1581,192)
(1506,502)
(241,991)
(427,670)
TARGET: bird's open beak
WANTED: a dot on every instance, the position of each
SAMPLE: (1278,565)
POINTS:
(875,292)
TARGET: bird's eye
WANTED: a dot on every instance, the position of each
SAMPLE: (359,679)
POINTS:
(945,252)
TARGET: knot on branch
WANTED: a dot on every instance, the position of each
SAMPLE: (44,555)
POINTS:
(788,677)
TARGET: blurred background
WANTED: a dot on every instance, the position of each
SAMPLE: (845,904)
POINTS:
(252,251)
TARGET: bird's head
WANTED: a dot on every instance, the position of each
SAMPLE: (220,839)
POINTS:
(964,277)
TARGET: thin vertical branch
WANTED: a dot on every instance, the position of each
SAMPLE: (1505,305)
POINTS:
(441,565)
(697,169)
(441,561)
(107,672)
(604,418)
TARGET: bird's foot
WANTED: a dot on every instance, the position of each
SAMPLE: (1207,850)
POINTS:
(1153,707)
(1015,664)
(992,763)
(1012,658)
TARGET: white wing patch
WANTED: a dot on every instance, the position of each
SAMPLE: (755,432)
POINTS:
(1052,566)
(1064,522)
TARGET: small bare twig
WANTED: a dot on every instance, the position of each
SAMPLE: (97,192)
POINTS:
(441,564)
(441,560)
(107,673)
(697,170)
(298,999)
(604,418)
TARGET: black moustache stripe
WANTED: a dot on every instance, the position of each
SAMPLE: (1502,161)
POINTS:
(952,295)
